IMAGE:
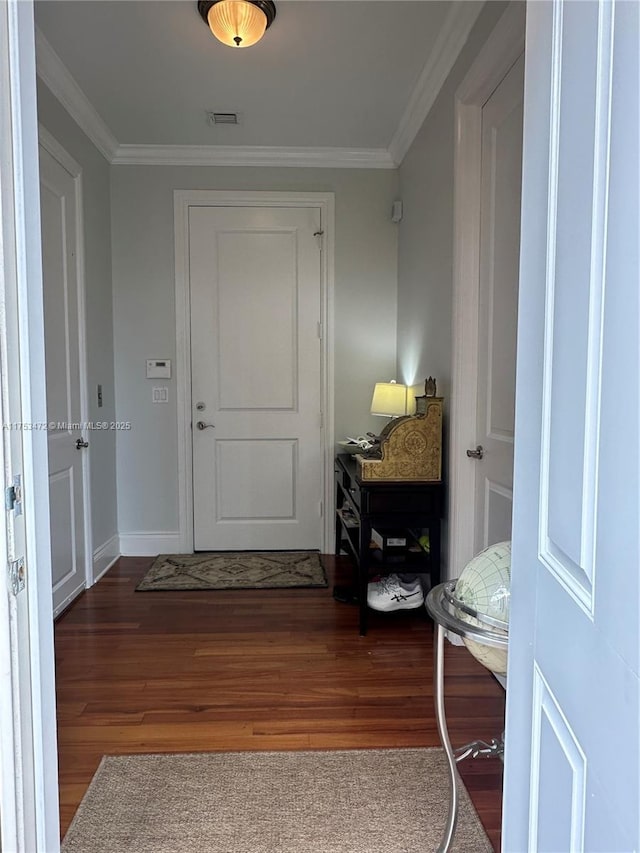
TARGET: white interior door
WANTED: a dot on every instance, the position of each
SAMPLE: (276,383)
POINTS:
(572,778)
(63,320)
(498,307)
(255,360)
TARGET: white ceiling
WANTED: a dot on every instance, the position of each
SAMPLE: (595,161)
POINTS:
(334,73)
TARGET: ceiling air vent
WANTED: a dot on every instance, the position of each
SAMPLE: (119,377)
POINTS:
(223,118)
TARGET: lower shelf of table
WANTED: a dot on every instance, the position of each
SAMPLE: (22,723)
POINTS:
(377,564)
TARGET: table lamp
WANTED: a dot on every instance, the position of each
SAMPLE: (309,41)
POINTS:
(389,399)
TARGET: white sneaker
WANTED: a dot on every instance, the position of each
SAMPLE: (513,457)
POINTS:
(390,593)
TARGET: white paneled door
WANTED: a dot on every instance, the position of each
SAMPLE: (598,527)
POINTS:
(498,307)
(63,318)
(572,763)
(255,365)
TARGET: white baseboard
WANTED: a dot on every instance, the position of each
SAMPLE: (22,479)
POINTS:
(105,556)
(149,544)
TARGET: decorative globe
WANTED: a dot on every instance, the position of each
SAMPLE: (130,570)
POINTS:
(485,585)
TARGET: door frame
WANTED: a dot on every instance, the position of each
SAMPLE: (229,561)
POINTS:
(28,742)
(501,50)
(64,159)
(183,200)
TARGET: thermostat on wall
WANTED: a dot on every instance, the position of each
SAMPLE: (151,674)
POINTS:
(158,368)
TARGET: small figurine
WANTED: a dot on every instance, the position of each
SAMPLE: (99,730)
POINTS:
(430,387)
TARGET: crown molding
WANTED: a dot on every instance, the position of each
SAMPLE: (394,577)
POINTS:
(252,155)
(56,76)
(450,41)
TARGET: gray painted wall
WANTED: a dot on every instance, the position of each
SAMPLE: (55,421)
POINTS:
(99,306)
(144,310)
(425,240)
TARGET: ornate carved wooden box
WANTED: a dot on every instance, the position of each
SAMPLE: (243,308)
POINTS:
(410,448)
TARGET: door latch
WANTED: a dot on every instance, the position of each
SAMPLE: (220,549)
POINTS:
(80,443)
(13,496)
(478,453)
(9,498)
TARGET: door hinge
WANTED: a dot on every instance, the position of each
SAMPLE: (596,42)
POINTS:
(16,572)
(321,509)
(320,330)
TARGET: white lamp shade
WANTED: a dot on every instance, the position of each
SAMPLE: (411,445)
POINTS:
(389,399)
(237,23)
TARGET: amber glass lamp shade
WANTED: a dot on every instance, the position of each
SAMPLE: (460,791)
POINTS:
(238,23)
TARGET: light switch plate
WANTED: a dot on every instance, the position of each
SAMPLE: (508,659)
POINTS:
(160,395)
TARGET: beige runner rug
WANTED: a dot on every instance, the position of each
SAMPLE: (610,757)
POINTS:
(348,801)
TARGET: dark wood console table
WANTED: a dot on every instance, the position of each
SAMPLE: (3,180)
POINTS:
(407,505)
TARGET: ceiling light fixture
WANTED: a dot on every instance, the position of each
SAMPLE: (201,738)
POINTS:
(237,23)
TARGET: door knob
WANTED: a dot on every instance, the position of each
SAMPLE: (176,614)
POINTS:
(478,453)
(202,425)
(80,444)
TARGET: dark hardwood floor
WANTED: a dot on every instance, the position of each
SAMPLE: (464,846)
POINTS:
(256,670)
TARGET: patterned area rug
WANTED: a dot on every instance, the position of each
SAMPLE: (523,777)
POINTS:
(354,801)
(235,570)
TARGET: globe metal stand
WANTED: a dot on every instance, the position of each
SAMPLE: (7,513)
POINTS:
(448,613)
